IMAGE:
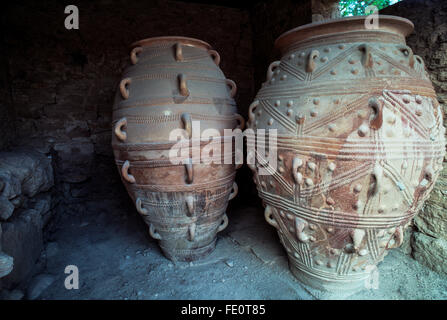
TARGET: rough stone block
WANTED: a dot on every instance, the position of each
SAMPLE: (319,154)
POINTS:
(6,208)
(22,239)
(25,171)
(430,251)
(6,264)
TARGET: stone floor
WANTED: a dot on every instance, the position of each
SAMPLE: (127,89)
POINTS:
(117,259)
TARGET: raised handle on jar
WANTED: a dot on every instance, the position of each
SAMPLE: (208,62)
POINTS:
(241,121)
(215,55)
(223,224)
(120,134)
(251,114)
(190,205)
(271,69)
(187,123)
(125,172)
(178,51)
(268,214)
(139,205)
(233,87)
(398,238)
(377,121)
(189,172)
(183,86)
(408,53)
(300,225)
(296,163)
(234,191)
(123,87)
(311,65)
(192,232)
(134,54)
(419,59)
(367,60)
(154,234)
(377,173)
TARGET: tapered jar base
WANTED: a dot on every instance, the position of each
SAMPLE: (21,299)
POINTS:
(171,251)
(342,284)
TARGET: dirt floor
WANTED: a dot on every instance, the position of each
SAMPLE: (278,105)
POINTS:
(117,259)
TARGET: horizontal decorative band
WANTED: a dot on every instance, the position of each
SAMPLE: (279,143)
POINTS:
(157,163)
(174,76)
(167,145)
(228,180)
(191,100)
(174,223)
(374,85)
(176,117)
(176,66)
(335,218)
(345,38)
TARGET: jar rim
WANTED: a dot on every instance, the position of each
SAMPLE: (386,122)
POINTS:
(390,24)
(184,40)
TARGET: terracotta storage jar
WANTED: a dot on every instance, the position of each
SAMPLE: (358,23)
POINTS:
(360,145)
(171,83)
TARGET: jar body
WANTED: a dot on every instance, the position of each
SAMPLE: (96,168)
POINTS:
(175,83)
(360,144)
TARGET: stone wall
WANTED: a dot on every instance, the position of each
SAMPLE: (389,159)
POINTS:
(26,206)
(7,128)
(429,40)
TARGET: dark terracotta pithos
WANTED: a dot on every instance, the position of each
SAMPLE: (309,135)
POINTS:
(172,82)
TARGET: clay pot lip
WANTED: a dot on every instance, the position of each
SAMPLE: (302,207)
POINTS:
(387,23)
(184,40)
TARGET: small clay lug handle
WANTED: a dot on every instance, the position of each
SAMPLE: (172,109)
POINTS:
(125,172)
(398,238)
(251,109)
(241,121)
(223,224)
(311,65)
(428,177)
(419,59)
(190,205)
(215,55)
(251,160)
(134,54)
(234,191)
(178,51)
(377,173)
(408,53)
(232,86)
(154,234)
(187,123)
(367,60)
(377,121)
(123,87)
(271,69)
(192,232)
(296,163)
(268,214)
(140,209)
(189,172)
(120,134)
(300,225)
(183,86)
